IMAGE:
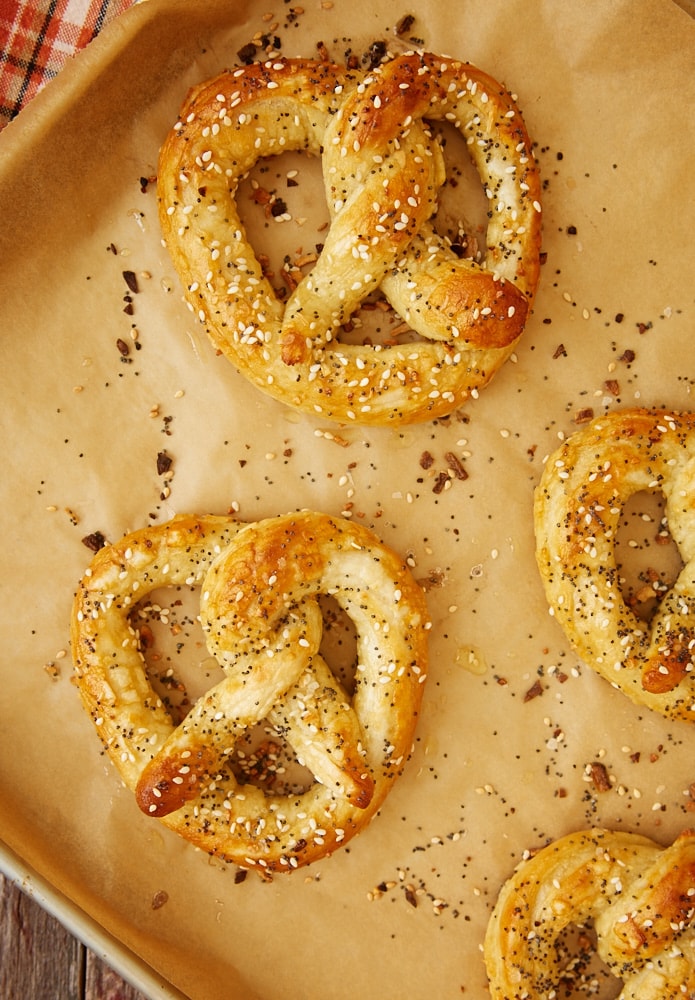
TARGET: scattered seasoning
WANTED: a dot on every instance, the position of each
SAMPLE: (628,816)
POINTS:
(331,436)
(146,637)
(535,691)
(74,519)
(599,777)
(405,24)
(278,207)
(410,895)
(262,42)
(434,579)
(94,541)
(375,54)
(247,54)
(131,281)
(123,348)
(690,793)
(441,482)
(426,460)
(159,899)
(627,356)
(456,466)
(584,415)
(560,351)
(164,463)
(240,876)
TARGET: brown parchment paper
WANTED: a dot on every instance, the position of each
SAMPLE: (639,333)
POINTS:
(608,95)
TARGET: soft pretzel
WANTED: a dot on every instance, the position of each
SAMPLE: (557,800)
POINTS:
(578,504)
(382,172)
(259,586)
(638,895)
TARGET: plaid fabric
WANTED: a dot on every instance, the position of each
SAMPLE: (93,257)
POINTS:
(37,37)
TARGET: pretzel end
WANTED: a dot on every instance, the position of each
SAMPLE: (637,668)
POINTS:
(167,783)
(666,672)
(362,790)
(499,315)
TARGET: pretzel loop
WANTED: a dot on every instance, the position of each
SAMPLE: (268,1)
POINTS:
(638,896)
(383,172)
(259,588)
(578,505)
(442,296)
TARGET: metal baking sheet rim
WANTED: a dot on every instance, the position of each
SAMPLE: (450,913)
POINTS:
(141,976)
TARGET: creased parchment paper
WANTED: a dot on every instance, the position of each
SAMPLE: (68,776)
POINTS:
(514,727)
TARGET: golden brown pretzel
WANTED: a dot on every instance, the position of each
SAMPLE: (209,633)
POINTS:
(259,584)
(639,896)
(578,504)
(382,172)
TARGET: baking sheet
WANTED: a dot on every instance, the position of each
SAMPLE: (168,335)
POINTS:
(496,770)
(85,928)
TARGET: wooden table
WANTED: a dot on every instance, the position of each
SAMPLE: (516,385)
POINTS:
(40,960)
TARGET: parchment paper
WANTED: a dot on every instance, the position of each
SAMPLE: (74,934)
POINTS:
(608,94)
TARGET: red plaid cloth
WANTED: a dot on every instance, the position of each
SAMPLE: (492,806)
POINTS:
(37,37)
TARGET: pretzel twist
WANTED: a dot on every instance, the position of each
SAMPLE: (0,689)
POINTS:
(382,172)
(259,587)
(639,896)
(578,504)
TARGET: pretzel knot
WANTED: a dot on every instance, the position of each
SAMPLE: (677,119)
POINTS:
(258,608)
(383,171)
(638,896)
(578,505)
